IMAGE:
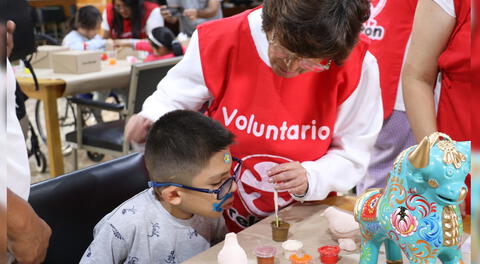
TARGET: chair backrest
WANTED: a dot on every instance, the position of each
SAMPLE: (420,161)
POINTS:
(144,79)
(72,204)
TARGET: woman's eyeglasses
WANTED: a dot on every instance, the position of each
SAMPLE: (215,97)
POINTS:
(120,7)
(221,192)
(309,64)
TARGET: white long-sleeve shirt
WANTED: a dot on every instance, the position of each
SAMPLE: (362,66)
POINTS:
(358,122)
(17,166)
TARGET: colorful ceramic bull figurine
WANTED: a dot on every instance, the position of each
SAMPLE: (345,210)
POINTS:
(418,211)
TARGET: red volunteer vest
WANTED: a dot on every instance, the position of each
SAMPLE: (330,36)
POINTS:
(454,112)
(389,29)
(454,107)
(127,27)
(275,120)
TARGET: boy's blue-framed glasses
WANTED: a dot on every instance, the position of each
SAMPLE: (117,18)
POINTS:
(221,192)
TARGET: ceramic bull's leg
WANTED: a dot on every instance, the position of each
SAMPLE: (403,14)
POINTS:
(369,251)
(393,252)
(451,256)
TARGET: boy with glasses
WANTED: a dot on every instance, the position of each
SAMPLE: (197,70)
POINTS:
(189,163)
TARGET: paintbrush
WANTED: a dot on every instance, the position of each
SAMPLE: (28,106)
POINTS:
(275,200)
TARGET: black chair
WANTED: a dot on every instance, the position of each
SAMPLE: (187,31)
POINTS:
(53,16)
(107,137)
(72,204)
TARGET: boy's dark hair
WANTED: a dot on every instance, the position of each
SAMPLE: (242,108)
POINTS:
(166,37)
(326,29)
(180,144)
(87,17)
(137,12)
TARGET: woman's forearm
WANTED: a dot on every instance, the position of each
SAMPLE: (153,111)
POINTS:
(419,104)
(431,30)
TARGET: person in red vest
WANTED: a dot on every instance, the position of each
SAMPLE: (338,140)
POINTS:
(295,83)
(440,42)
(161,44)
(130,19)
(389,29)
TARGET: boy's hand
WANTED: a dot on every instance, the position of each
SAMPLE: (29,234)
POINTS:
(290,177)
(191,13)
(137,128)
(10,30)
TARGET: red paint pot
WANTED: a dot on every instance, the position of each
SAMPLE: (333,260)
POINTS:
(329,254)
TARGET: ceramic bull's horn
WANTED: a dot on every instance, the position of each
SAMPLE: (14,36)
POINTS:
(419,157)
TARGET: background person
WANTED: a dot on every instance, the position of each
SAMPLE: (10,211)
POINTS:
(440,43)
(161,44)
(27,234)
(126,19)
(84,33)
(190,14)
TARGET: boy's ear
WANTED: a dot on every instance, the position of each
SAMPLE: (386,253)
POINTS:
(171,195)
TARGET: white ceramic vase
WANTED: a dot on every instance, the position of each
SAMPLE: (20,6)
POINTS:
(232,252)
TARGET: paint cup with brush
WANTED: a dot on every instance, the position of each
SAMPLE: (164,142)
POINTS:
(279,228)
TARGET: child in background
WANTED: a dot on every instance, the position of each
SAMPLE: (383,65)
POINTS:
(189,162)
(84,33)
(161,44)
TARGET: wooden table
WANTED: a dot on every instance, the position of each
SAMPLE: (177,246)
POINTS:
(48,92)
(43,3)
(307,225)
(53,86)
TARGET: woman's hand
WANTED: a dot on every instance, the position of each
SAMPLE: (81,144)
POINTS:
(137,128)
(290,177)
(121,43)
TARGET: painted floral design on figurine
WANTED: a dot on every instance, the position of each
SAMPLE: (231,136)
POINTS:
(404,222)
